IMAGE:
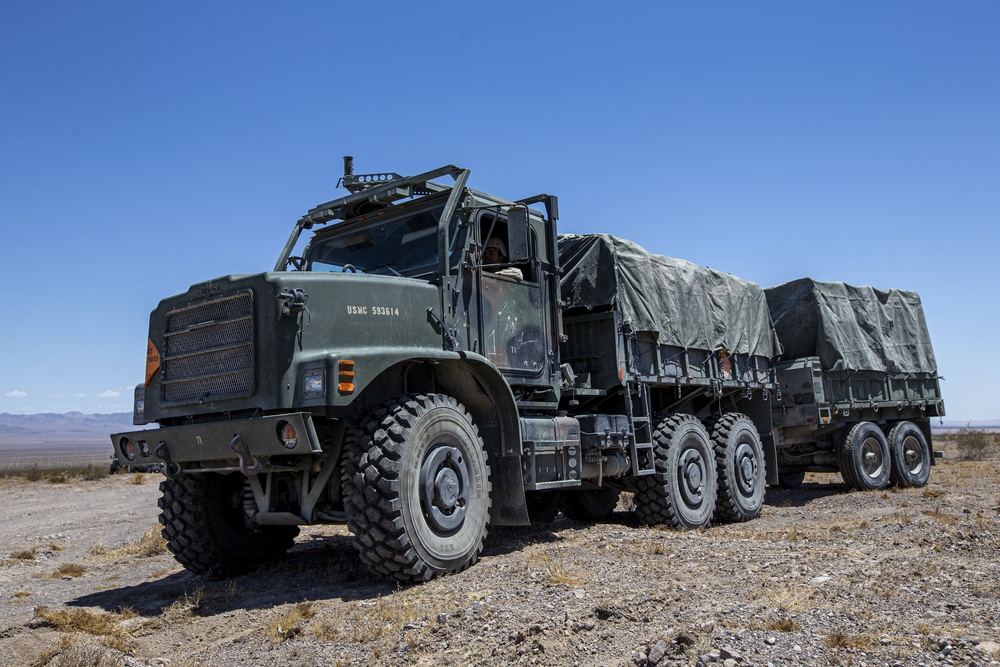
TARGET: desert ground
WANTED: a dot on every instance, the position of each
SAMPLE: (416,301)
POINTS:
(823,577)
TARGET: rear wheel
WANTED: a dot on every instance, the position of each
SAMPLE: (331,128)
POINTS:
(864,458)
(590,505)
(792,479)
(207,529)
(682,491)
(418,489)
(543,506)
(910,454)
(740,465)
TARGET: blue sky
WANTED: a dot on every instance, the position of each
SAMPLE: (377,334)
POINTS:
(148,146)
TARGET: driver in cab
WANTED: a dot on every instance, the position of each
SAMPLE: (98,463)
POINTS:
(495,256)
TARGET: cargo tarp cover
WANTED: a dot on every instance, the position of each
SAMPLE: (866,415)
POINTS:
(852,328)
(688,305)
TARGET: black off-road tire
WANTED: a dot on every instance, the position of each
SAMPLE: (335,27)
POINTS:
(418,489)
(910,454)
(543,506)
(791,479)
(740,467)
(205,526)
(864,458)
(682,491)
(590,505)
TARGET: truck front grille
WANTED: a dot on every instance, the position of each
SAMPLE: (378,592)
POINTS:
(209,350)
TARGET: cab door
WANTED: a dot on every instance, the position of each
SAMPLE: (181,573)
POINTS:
(513,315)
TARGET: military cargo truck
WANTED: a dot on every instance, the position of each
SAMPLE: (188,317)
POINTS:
(859,384)
(425,368)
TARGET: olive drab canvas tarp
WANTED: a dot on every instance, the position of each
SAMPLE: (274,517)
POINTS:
(687,305)
(852,328)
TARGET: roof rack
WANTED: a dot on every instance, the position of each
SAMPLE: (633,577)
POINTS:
(378,190)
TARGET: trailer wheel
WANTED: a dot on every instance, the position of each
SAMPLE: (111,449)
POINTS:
(543,506)
(590,505)
(417,493)
(739,459)
(207,531)
(864,458)
(682,491)
(791,480)
(910,454)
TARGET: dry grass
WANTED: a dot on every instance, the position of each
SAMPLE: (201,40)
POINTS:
(941,517)
(790,598)
(138,479)
(43,658)
(408,615)
(840,640)
(184,610)
(289,624)
(68,570)
(783,625)
(556,572)
(86,621)
(24,554)
(149,545)
(86,653)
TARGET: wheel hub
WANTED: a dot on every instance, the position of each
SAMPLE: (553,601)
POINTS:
(746,467)
(444,485)
(871,457)
(693,475)
(912,455)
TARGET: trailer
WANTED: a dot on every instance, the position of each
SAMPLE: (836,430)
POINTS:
(859,384)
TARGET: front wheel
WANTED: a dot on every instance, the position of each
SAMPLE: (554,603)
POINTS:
(682,491)
(910,454)
(864,458)
(207,529)
(417,490)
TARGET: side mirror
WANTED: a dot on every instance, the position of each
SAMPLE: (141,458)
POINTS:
(518,234)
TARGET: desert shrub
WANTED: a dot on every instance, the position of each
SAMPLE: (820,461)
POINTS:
(975,444)
(92,473)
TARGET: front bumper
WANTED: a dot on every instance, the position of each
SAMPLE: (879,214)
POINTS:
(246,445)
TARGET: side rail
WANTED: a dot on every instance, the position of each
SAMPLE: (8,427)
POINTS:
(905,394)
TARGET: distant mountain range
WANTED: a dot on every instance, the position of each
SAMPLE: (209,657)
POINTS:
(100,425)
(69,423)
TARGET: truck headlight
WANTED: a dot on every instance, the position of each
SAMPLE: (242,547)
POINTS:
(139,405)
(313,383)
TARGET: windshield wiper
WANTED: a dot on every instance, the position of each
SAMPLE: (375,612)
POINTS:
(372,269)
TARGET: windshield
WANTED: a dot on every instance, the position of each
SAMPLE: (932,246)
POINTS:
(403,246)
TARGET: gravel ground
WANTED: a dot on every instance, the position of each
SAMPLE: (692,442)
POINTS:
(823,577)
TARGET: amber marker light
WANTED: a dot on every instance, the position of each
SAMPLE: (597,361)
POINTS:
(288,435)
(128,448)
(346,372)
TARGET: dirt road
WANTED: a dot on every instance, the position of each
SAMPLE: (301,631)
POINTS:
(823,577)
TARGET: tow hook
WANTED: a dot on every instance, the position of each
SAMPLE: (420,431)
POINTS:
(170,469)
(248,464)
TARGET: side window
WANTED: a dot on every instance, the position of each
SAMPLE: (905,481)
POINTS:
(495,241)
